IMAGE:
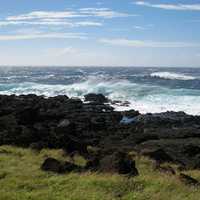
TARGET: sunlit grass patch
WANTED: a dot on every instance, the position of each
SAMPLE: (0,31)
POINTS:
(21,178)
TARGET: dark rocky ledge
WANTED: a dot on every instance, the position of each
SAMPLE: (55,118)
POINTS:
(60,122)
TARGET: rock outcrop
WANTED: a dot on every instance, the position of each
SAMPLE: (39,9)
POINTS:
(74,125)
(53,165)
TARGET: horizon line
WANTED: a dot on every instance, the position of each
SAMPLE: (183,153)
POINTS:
(94,66)
(88,66)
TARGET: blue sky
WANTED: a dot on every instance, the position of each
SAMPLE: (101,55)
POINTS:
(102,32)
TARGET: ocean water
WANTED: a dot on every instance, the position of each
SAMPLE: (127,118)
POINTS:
(147,89)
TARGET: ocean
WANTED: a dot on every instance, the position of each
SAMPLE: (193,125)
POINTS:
(149,90)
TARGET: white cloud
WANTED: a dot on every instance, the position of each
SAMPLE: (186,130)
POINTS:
(142,43)
(7,23)
(189,7)
(43,36)
(84,12)
(63,18)
(103,12)
(44,14)
(51,23)
(88,23)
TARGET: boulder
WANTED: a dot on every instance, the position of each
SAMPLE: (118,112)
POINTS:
(118,162)
(71,167)
(159,155)
(184,152)
(53,165)
(98,98)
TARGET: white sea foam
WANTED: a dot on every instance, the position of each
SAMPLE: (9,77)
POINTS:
(156,104)
(145,98)
(172,76)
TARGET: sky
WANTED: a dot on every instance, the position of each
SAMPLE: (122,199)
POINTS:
(100,33)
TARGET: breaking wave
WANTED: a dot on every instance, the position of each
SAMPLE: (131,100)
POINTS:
(172,76)
(143,97)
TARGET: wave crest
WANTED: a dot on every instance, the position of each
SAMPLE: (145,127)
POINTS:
(142,97)
(172,76)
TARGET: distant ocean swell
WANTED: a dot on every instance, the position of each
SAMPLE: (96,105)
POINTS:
(147,91)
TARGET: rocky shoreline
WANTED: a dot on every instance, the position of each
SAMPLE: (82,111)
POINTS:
(94,130)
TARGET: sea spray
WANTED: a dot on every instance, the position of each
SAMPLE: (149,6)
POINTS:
(147,90)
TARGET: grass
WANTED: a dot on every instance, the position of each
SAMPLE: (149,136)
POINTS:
(22,179)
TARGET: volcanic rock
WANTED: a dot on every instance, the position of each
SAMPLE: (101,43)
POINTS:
(98,98)
(118,162)
(53,165)
(68,123)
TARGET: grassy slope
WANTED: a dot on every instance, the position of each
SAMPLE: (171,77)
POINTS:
(22,179)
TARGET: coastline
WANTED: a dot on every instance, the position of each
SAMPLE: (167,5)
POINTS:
(69,123)
(57,146)
(151,90)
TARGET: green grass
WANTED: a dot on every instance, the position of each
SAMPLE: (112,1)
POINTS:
(22,179)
